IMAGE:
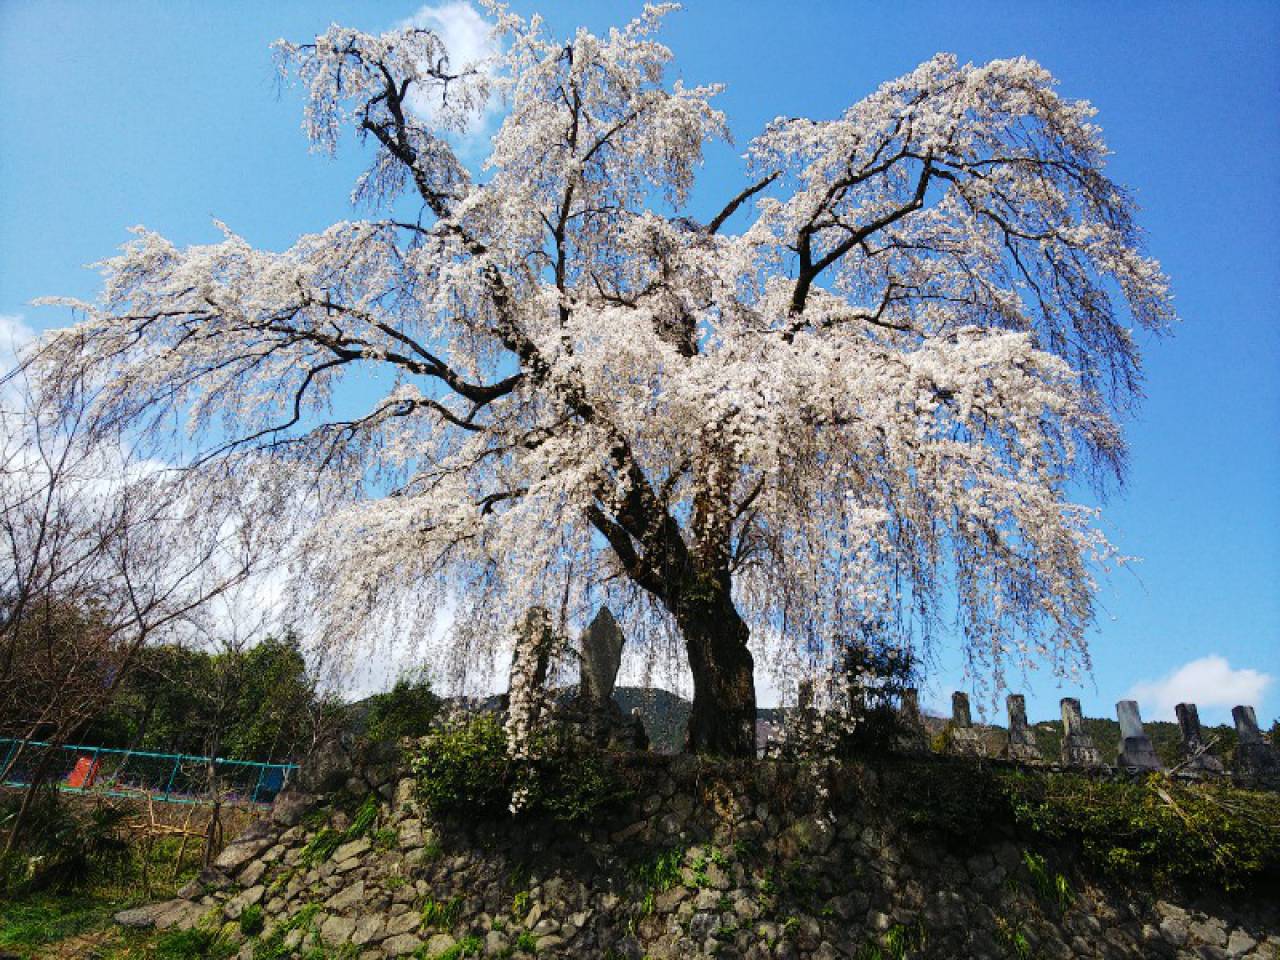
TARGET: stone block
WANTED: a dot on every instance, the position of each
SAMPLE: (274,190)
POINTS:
(1136,751)
(602,644)
(1198,758)
(965,741)
(1254,756)
(1077,746)
(1022,741)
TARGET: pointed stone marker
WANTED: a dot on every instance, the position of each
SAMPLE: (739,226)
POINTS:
(602,644)
(1022,742)
(1077,746)
(1254,756)
(1199,759)
(965,740)
(1136,751)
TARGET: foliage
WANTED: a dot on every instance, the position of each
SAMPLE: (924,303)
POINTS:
(34,920)
(326,840)
(194,944)
(464,767)
(469,946)
(406,710)
(1194,834)
(60,848)
(251,920)
(442,914)
(252,704)
(1201,835)
(897,943)
(868,379)
(662,872)
(1051,888)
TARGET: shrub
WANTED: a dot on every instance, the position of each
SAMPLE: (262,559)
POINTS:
(1193,834)
(463,767)
(61,850)
(407,710)
(251,921)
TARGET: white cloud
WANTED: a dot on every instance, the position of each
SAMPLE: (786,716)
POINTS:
(1209,682)
(14,335)
(469,39)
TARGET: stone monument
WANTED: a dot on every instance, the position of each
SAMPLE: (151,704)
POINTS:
(1136,751)
(965,740)
(1077,746)
(601,657)
(1199,760)
(912,736)
(1022,742)
(1254,756)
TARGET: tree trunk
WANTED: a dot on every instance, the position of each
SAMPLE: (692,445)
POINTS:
(723,720)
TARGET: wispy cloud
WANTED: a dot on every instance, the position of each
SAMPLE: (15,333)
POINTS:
(14,335)
(469,39)
(1209,682)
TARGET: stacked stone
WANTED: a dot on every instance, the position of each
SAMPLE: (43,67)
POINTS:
(1077,746)
(1255,758)
(965,740)
(756,872)
(912,737)
(1022,742)
(1199,761)
(1136,752)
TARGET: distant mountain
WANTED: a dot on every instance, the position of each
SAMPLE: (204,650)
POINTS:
(664,715)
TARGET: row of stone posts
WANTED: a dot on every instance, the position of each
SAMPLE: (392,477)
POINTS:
(1254,757)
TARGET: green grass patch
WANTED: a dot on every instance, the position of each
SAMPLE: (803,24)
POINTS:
(45,918)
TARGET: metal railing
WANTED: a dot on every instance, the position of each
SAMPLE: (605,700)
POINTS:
(170,777)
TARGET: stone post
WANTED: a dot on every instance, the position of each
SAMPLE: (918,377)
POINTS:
(1077,746)
(1136,751)
(913,737)
(1199,759)
(602,644)
(965,741)
(1254,756)
(1022,742)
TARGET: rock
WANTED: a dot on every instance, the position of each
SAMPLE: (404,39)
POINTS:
(240,852)
(1211,931)
(337,930)
(346,898)
(1240,943)
(352,849)
(179,914)
(439,943)
(402,945)
(403,923)
(141,918)
(247,898)
(252,873)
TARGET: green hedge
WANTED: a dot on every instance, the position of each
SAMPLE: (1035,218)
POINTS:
(463,767)
(1205,834)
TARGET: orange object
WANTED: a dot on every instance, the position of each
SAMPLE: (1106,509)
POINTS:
(82,776)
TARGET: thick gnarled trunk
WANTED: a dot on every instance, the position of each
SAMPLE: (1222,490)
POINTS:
(723,720)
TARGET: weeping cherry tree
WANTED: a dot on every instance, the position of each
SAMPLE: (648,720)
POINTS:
(858,394)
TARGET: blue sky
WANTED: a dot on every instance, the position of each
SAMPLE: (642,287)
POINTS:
(167,114)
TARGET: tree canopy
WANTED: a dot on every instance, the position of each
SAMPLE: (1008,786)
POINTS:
(856,396)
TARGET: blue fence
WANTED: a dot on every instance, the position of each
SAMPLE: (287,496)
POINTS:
(171,777)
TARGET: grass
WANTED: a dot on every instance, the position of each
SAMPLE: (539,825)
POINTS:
(442,914)
(42,919)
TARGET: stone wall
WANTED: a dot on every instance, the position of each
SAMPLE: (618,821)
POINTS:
(728,861)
